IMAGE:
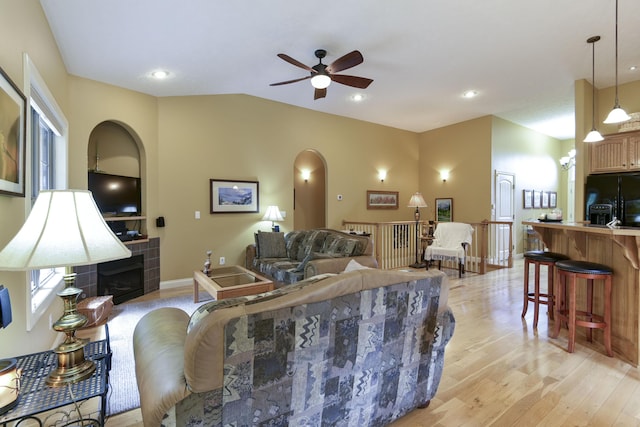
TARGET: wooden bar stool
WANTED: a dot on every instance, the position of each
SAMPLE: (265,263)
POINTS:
(538,258)
(590,271)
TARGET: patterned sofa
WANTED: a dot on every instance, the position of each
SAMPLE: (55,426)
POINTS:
(361,348)
(296,255)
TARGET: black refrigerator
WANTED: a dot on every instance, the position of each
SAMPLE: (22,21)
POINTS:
(613,195)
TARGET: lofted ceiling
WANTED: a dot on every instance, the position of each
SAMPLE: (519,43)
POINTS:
(521,57)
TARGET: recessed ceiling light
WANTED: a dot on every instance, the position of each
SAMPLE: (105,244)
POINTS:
(633,68)
(470,94)
(160,74)
(357,97)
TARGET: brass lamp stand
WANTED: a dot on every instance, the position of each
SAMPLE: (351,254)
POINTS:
(72,366)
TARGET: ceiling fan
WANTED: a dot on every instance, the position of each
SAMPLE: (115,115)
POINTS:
(322,75)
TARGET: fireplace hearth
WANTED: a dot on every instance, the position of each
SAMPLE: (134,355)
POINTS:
(123,278)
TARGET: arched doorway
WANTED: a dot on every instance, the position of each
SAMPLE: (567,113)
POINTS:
(309,191)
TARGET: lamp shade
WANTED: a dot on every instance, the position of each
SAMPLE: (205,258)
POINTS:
(417,201)
(593,136)
(64,228)
(272,214)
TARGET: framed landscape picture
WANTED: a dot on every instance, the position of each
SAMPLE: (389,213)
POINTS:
(382,199)
(444,210)
(13,106)
(228,196)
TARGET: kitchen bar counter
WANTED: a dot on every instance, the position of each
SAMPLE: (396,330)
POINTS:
(619,249)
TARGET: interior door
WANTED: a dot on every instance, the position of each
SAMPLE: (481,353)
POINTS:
(504,211)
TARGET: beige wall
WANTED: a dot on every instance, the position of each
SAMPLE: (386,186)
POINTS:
(533,159)
(464,149)
(245,138)
(23,29)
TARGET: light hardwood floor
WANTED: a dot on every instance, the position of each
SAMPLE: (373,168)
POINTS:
(499,371)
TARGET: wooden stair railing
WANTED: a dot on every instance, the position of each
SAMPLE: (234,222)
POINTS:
(395,247)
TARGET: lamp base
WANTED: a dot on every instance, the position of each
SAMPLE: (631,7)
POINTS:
(418,265)
(72,366)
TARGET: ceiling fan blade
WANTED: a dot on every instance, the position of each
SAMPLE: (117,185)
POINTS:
(290,81)
(349,60)
(319,93)
(292,61)
(359,82)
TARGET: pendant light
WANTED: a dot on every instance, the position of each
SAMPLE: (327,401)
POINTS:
(594,135)
(617,115)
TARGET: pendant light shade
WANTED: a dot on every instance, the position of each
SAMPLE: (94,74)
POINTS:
(617,115)
(594,135)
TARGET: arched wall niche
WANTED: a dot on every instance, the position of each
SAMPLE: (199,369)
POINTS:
(310,195)
(115,148)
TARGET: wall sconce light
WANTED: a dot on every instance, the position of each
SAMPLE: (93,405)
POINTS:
(444,175)
(382,175)
(568,161)
(306,174)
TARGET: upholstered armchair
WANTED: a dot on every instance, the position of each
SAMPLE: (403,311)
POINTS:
(450,243)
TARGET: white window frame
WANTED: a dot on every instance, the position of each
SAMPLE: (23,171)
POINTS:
(36,88)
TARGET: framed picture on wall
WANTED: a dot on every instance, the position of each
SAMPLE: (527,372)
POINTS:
(537,199)
(544,201)
(553,199)
(228,196)
(444,210)
(13,112)
(527,199)
(382,199)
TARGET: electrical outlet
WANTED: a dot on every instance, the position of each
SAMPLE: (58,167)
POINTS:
(222,260)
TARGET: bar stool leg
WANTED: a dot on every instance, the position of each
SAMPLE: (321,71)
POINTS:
(525,305)
(550,292)
(559,305)
(572,313)
(607,315)
(590,308)
(536,295)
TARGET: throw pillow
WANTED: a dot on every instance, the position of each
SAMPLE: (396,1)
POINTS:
(354,265)
(270,245)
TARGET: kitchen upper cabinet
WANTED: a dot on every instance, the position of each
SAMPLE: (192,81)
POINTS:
(617,153)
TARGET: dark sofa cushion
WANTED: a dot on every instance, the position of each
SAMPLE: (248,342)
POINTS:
(270,245)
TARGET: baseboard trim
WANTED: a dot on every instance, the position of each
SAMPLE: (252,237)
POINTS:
(177,283)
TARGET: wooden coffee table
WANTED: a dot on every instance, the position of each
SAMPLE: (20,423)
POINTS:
(229,282)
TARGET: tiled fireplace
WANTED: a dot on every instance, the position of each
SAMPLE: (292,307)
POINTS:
(87,276)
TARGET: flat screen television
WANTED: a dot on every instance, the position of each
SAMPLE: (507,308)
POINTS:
(116,195)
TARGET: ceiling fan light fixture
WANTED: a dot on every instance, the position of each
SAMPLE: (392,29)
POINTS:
(320,81)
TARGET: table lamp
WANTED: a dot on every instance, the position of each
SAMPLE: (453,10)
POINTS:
(417,201)
(273,215)
(64,229)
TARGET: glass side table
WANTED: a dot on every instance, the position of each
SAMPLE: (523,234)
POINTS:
(37,400)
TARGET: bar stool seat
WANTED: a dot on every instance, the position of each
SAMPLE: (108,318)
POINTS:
(538,258)
(589,271)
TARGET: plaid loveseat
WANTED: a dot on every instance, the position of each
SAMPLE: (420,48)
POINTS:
(296,255)
(356,349)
